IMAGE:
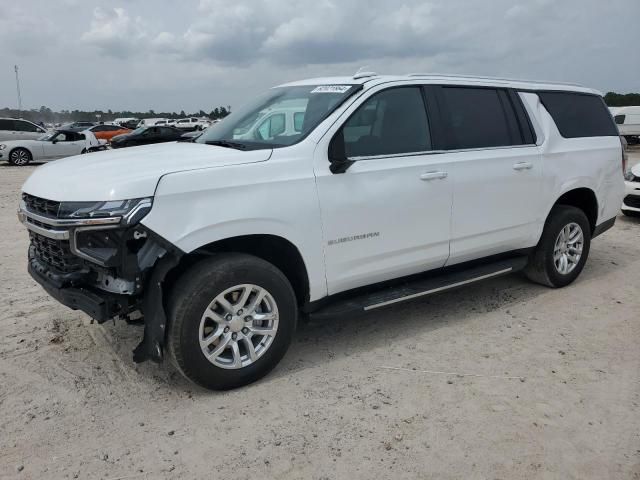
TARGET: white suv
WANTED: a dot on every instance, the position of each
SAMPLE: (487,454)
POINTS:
(393,188)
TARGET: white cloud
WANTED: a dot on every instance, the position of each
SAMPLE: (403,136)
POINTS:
(164,54)
(115,33)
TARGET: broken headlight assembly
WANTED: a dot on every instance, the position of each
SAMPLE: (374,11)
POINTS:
(112,230)
(129,211)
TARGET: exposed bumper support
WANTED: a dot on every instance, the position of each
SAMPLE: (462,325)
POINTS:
(100,306)
(155,318)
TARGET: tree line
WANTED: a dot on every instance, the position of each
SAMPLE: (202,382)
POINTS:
(46,115)
(614,99)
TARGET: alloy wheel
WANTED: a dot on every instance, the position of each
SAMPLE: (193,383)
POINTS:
(568,248)
(238,326)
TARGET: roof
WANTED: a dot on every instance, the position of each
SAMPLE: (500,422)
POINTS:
(371,79)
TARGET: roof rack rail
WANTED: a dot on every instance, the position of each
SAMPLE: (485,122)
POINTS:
(497,79)
(359,75)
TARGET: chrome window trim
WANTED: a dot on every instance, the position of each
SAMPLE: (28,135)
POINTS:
(438,152)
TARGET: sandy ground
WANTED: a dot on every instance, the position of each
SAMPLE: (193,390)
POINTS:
(502,381)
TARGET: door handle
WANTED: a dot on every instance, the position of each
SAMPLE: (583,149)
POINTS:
(523,166)
(433,176)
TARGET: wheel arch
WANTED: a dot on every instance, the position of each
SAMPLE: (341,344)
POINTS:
(20,147)
(274,249)
(583,198)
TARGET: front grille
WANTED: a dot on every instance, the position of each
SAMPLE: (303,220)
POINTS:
(632,201)
(41,206)
(55,253)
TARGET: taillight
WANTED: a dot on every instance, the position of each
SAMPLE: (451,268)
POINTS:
(625,155)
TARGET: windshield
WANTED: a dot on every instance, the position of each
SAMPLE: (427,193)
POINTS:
(138,131)
(279,118)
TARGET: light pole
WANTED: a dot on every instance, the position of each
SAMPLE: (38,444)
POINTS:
(18,89)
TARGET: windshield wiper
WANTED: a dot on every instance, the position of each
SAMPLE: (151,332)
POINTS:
(227,144)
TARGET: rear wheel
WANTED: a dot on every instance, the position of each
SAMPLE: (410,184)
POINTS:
(20,157)
(232,318)
(563,248)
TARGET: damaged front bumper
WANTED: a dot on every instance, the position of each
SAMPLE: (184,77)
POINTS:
(110,270)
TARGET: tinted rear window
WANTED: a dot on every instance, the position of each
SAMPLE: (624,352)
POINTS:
(480,118)
(579,115)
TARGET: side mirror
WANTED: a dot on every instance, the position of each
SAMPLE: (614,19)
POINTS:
(337,155)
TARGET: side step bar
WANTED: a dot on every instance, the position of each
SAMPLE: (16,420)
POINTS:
(417,287)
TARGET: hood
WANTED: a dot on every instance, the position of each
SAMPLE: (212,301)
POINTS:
(129,172)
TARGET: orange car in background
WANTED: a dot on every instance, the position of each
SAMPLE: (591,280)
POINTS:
(107,132)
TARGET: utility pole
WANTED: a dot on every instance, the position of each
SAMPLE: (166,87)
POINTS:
(18,89)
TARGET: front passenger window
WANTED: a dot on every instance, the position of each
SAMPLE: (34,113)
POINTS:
(391,122)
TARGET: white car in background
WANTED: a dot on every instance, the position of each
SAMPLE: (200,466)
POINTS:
(628,121)
(19,129)
(631,201)
(152,122)
(282,120)
(192,123)
(54,145)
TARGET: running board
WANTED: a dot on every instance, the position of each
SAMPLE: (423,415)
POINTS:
(416,288)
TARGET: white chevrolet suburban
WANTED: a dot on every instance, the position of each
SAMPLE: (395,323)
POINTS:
(393,188)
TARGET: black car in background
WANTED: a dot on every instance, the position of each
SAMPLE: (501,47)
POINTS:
(146,136)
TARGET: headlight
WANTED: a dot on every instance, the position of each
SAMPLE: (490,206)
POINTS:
(131,211)
(3,146)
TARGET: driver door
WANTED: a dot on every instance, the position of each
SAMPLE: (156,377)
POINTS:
(64,144)
(388,215)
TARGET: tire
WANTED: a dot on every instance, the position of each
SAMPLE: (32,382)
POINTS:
(198,290)
(542,267)
(20,157)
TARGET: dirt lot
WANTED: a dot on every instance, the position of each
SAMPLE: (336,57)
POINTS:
(506,380)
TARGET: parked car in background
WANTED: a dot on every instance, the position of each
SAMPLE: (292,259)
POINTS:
(124,120)
(191,123)
(628,121)
(149,122)
(18,129)
(190,136)
(78,125)
(146,136)
(631,201)
(131,124)
(107,132)
(282,120)
(387,189)
(57,144)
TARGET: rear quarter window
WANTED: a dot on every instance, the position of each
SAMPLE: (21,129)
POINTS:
(579,115)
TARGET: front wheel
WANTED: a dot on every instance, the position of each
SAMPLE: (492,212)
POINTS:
(563,249)
(232,318)
(20,157)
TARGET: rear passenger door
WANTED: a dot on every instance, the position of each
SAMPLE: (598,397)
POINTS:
(496,170)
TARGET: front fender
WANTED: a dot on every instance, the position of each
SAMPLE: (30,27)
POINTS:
(192,209)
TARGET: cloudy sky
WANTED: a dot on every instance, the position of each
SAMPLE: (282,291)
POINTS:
(192,54)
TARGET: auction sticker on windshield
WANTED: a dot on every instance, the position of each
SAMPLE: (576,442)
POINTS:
(331,89)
